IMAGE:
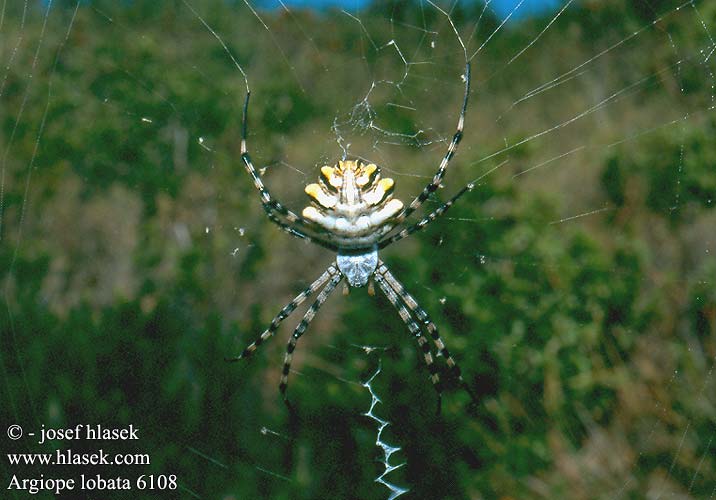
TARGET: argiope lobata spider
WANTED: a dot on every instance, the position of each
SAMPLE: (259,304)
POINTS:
(353,213)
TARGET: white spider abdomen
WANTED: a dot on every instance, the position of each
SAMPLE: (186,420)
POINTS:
(358,267)
(353,203)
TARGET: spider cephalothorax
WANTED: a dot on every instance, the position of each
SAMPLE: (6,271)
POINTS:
(353,213)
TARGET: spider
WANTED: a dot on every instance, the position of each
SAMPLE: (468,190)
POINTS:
(354,214)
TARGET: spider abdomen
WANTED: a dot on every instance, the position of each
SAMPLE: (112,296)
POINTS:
(353,203)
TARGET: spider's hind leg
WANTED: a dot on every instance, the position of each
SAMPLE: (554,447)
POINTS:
(293,224)
(442,168)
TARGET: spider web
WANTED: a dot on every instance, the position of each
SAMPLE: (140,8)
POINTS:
(574,284)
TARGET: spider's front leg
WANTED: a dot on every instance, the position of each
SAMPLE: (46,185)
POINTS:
(300,329)
(414,328)
(332,271)
(402,300)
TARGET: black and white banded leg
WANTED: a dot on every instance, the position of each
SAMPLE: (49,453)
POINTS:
(442,169)
(301,328)
(295,225)
(422,315)
(425,220)
(415,329)
(331,272)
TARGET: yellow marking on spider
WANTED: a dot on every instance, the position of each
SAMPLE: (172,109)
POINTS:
(324,199)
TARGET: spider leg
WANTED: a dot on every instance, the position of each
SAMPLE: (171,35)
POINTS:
(301,328)
(442,169)
(414,328)
(272,207)
(422,315)
(425,220)
(332,271)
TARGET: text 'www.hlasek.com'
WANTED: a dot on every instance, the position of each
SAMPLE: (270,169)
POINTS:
(85,457)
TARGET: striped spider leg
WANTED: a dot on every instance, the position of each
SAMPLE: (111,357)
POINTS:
(286,311)
(409,310)
(414,328)
(442,169)
(425,220)
(287,220)
(301,328)
(353,212)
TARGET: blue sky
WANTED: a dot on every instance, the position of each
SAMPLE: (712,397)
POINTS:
(501,7)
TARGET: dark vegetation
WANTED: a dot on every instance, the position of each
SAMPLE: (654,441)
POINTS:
(590,343)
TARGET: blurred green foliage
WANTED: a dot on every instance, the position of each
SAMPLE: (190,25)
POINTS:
(590,345)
